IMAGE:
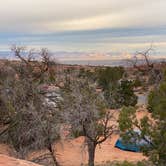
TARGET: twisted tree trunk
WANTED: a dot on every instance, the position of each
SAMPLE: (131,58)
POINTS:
(50,148)
(91,152)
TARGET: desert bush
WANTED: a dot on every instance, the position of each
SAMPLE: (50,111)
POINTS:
(152,132)
(126,163)
(32,124)
(121,94)
(109,76)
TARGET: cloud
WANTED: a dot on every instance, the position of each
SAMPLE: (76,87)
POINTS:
(83,25)
(34,16)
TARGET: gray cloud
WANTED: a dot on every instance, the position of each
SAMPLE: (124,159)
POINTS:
(34,16)
(84,25)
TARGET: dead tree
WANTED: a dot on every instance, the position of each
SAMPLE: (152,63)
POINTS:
(144,56)
(37,63)
(147,67)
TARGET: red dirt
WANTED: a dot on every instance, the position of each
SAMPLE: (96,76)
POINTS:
(73,152)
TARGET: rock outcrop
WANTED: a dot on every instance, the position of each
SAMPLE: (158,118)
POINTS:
(10,161)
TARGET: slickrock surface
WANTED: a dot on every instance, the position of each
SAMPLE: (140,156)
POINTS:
(6,150)
(10,161)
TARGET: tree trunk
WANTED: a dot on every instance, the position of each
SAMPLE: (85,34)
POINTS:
(91,152)
(53,155)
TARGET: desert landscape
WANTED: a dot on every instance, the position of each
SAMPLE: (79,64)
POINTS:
(69,149)
(82,83)
(73,152)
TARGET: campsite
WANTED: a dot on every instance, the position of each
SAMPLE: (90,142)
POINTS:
(82,83)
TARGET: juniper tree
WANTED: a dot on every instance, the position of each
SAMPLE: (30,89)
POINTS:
(32,124)
(85,111)
(152,130)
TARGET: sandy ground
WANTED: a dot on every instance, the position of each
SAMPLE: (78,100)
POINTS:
(73,152)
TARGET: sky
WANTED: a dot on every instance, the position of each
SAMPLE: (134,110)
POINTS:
(119,27)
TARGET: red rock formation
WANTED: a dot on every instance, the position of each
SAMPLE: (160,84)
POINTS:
(10,161)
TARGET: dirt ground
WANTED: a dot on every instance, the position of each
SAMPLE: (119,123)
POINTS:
(73,152)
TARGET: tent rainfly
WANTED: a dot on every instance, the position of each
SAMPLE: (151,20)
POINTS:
(133,145)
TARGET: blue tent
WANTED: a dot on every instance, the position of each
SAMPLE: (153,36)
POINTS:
(133,145)
(127,146)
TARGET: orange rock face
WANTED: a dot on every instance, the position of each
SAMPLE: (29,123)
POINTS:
(9,161)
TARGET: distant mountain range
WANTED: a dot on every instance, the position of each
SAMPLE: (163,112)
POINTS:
(82,58)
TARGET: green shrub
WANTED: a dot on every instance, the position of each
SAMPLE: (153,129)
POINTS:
(126,163)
